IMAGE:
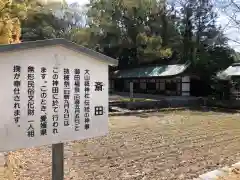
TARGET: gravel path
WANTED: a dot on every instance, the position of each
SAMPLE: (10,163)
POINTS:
(156,146)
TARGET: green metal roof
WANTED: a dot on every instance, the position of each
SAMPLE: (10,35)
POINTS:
(233,70)
(155,71)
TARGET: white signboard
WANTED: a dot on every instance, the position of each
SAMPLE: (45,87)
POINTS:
(47,101)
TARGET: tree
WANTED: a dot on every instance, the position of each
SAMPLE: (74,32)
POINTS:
(129,30)
(11,13)
(53,21)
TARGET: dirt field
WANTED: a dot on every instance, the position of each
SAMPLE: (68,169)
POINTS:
(170,146)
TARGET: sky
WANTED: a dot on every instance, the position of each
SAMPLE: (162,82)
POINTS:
(223,20)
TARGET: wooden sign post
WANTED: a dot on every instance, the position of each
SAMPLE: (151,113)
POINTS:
(58,161)
(131,91)
(53,91)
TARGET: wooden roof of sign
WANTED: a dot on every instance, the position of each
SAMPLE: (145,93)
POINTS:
(61,42)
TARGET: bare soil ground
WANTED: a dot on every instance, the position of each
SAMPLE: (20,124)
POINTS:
(154,146)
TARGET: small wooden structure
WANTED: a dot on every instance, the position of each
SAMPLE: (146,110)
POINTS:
(171,80)
(231,78)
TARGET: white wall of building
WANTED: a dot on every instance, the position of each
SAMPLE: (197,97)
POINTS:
(185,86)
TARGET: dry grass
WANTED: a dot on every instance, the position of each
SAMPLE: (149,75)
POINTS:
(156,146)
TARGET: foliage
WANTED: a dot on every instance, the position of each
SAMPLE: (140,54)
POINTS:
(134,31)
(10,15)
(129,26)
(149,47)
(47,23)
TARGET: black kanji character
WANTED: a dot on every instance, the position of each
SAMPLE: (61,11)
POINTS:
(31,92)
(30,77)
(67,92)
(43,132)
(30,131)
(87,71)
(87,109)
(43,70)
(76,77)
(76,97)
(76,89)
(16,68)
(43,102)
(66,123)
(87,96)
(66,104)
(86,83)
(43,118)
(43,125)
(31,112)
(66,71)
(66,84)
(30,105)
(77,71)
(86,102)
(77,110)
(87,120)
(66,96)
(77,115)
(43,108)
(98,86)
(77,121)
(66,77)
(30,84)
(55,89)
(66,115)
(77,83)
(77,101)
(86,115)
(77,106)
(16,91)
(55,103)
(98,110)
(55,117)
(31,69)
(86,89)
(17,83)
(87,126)
(30,98)
(86,77)
(55,82)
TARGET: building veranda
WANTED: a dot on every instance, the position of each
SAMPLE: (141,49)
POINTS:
(169,80)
